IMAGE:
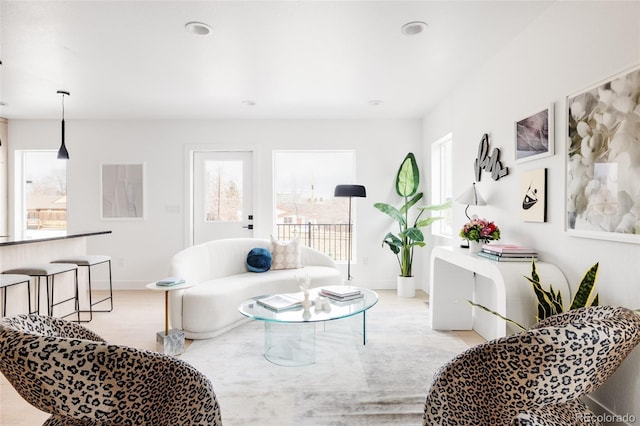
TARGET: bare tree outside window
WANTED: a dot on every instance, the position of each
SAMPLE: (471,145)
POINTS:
(304,182)
(223,191)
(45,194)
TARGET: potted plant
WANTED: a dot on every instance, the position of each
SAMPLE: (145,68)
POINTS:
(409,234)
(549,302)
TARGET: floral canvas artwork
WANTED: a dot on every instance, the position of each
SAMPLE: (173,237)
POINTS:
(603,160)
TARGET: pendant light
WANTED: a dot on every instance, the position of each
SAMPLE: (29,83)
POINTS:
(63,154)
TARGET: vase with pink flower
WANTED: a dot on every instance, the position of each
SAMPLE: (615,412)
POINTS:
(479,231)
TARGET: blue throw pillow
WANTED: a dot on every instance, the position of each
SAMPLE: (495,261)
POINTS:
(259,260)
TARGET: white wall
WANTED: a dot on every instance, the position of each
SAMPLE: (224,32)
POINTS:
(570,47)
(141,250)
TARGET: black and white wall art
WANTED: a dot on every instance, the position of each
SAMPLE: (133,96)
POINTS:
(533,195)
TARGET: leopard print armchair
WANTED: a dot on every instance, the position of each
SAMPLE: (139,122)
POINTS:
(535,377)
(68,371)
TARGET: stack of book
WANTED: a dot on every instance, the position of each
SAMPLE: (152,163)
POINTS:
(282,302)
(170,281)
(341,293)
(507,253)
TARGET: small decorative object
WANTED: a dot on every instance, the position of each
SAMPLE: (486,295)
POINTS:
(304,287)
(490,163)
(478,232)
(322,304)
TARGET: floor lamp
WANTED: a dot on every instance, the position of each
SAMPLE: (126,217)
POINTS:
(350,191)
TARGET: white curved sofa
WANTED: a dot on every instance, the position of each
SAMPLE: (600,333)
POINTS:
(217,269)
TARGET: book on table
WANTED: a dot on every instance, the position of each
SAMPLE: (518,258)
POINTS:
(507,249)
(514,258)
(282,302)
(170,281)
(341,292)
(343,299)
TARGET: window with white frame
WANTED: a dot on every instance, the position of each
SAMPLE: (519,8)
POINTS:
(305,208)
(40,194)
(441,184)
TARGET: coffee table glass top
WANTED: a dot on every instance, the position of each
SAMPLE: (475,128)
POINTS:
(339,309)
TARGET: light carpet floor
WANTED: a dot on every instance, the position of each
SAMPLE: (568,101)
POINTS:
(382,383)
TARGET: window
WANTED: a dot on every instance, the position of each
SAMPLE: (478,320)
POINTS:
(441,184)
(43,190)
(223,188)
(304,182)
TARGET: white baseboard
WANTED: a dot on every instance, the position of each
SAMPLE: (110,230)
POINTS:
(140,285)
(120,285)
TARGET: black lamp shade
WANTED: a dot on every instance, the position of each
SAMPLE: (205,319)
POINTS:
(63,154)
(350,191)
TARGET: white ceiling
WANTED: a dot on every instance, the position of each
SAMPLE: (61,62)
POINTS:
(294,59)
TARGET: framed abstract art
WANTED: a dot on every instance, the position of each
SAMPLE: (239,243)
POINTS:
(534,136)
(122,187)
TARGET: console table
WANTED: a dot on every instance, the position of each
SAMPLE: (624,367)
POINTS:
(457,276)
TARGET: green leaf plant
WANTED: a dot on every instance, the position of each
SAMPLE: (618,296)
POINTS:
(409,235)
(549,302)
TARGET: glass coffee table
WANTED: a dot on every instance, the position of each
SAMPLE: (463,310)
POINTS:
(290,335)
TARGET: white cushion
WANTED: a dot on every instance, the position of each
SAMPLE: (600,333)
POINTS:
(43,269)
(88,260)
(285,254)
(7,280)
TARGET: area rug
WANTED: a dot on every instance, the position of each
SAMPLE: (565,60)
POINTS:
(381,383)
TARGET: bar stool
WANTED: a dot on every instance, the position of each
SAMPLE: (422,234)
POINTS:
(50,270)
(7,280)
(89,261)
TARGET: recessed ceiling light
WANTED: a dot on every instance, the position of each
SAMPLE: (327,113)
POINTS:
(413,28)
(198,28)
(248,103)
(375,102)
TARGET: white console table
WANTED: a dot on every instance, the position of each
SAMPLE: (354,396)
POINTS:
(457,276)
